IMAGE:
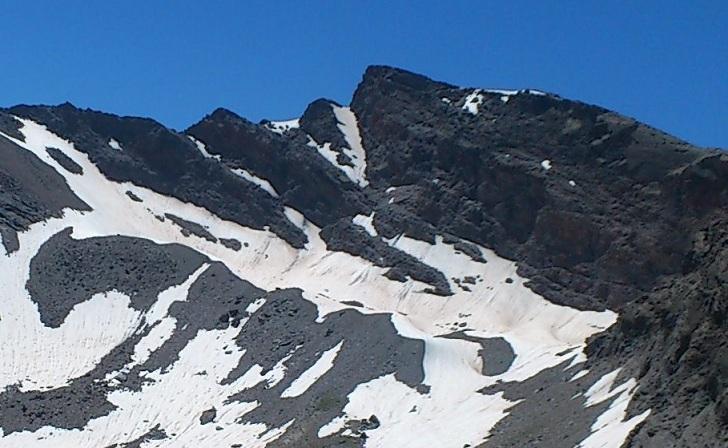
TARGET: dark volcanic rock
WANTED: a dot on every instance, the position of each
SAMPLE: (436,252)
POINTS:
(496,353)
(166,162)
(24,200)
(303,178)
(66,162)
(65,407)
(191,228)
(153,434)
(10,126)
(231,243)
(319,121)
(386,352)
(551,413)
(208,416)
(66,271)
(133,197)
(71,406)
(347,237)
(491,188)
(620,219)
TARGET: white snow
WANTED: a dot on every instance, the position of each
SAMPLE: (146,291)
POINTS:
(300,385)
(162,325)
(245,174)
(579,374)
(203,149)
(503,92)
(476,98)
(349,126)
(114,144)
(331,155)
(472,101)
(611,426)
(505,95)
(262,183)
(281,127)
(538,331)
(367,222)
(546,164)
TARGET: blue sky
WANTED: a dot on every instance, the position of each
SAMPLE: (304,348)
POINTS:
(662,62)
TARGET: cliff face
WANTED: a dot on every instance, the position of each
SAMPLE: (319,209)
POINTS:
(403,209)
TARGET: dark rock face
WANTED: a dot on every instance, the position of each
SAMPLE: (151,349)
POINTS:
(370,348)
(319,121)
(24,200)
(10,126)
(675,338)
(154,434)
(66,272)
(626,217)
(191,228)
(496,353)
(166,162)
(550,403)
(216,300)
(66,162)
(599,211)
(493,189)
(68,407)
(347,237)
(304,179)
(208,416)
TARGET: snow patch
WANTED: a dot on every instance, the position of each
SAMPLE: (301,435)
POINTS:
(281,127)
(349,126)
(262,183)
(472,101)
(580,374)
(300,385)
(203,149)
(546,164)
(115,145)
(367,222)
(611,428)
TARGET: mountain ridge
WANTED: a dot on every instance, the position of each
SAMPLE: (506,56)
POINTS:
(599,211)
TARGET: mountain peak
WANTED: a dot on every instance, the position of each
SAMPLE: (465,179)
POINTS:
(378,76)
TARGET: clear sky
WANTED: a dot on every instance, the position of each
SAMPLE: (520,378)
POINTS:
(662,62)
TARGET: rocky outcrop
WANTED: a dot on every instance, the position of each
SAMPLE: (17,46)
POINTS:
(146,153)
(24,200)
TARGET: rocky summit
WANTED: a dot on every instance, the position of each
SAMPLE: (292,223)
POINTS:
(427,266)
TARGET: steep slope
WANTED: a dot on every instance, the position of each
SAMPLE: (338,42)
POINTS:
(428,266)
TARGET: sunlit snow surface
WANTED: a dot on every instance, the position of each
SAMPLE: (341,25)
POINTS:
(203,149)
(281,127)
(451,414)
(349,127)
